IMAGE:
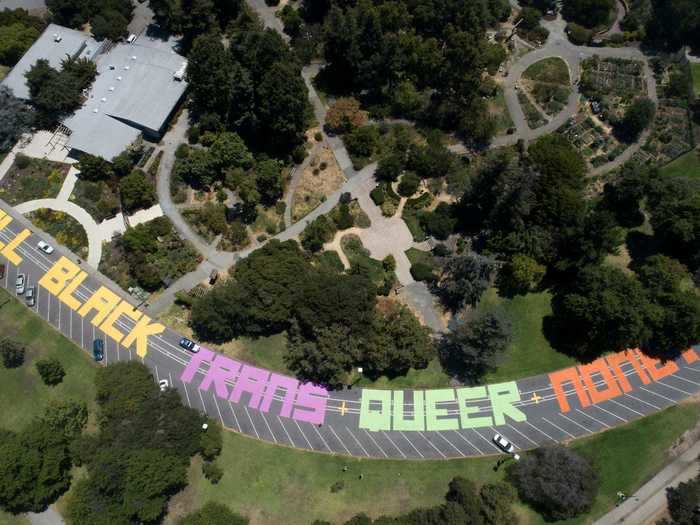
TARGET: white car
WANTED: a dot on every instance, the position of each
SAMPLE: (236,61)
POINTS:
(19,283)
(45,247)
(163,384)
(502,443)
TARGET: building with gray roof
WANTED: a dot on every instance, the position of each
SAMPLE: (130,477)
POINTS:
(138,86)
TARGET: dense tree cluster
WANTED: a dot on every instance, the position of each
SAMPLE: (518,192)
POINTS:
(56,94)
(192,18)
(673,24)
(18,31)
(683,502)
(332,317)
(39,458)
(213,514)
(556,481)
(15,118)
(465,503)
(139,457)
(638,116)
(107,18)
(413,60)
(589,13)
(253,87)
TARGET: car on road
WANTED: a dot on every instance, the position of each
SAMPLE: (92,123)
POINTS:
(19,283)
(2,271)
(502,443)
(30,296)
(98,349)
(190,345)
(45,247)
(163,384)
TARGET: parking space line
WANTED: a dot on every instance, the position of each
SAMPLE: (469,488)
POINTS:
(375,442)
(302,433)
(431,444)
(268,425)
(338,438)
(672,401)
(559,428)
(462,454)
(154,368)
(357,441)
(626,407)
(187,395)
(610,413)
(291,441)
(674,388)
(319,435)
(245,408)
(642,401)
(218,410)
(523,435)
(493,445)
(592,418)
(394,444)
(541,432)
(464,438)
(676,376)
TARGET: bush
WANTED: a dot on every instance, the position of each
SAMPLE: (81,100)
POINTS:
(193,135)
(182,151)
(51,371)
(22,161)
(212,472)
(556,481)
(579,35)
(409,184)
(299,154)
(377,195)
(422,272)
(440,250)
(388,209)
(344,115)
(318,136)
(363,141)
(280,207)
(12,353)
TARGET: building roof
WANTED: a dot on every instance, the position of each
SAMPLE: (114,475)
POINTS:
(135,89)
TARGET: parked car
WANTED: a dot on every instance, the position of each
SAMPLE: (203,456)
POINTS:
(45,247)
(163,384)
(19,283)
(502,443)
(98,349)
(190,345)
(30,296)
(2,271)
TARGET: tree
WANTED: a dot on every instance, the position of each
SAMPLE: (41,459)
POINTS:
(268,179)
(213,514)
(556,481)
(603,310)
(464,492)
(318,232)
(438,223)
(229,151)
(94,168)
(497,501)
(530,17)
(198,169)
(40,74)
(520,276)
(638,116)
(66,417)
(15,39)
(110,24)
(51,371)
(588,13)
(344,115)
(409,184)
(463,279)
(282,105)
(390,167)
(683,502)
(210,75)
(12,353)
(475,347)
(672,24)
(136,191)
(15,118)
(362,141)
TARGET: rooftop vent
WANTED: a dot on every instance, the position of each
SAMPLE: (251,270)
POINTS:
(126,68)
(111,67)
(103,99)
(119,78)
(57,37)
(111,88)
(95,110)
(133,57)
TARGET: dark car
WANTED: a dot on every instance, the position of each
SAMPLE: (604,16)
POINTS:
(190,345)
(30,296)
(98,349)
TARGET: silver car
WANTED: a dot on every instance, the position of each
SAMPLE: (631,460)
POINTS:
(20,283)
(30,296)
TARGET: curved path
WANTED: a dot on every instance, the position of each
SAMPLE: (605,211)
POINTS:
(439,424)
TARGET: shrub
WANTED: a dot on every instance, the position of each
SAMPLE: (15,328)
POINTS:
(280,207)
(12,353)
(422,272)
(22,161)
(182,151)
(363,141)
(388,209)
(299,154)
(337,486)
(378,196)
(579,35)
(344,115)
(409,184)
(51,371)
(318,136)
(212,472)
(440,250)
(193,135)
(389,263)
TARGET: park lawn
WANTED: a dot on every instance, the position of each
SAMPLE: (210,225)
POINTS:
(274,485)
(695,72)
(687,165)
(23,395)
(529,352)
(433,376)
(11,519)
(552,70)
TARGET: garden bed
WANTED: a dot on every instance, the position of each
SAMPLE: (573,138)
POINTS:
(534,118)
(321,178)
(62,227)
(29,179)
(96,198)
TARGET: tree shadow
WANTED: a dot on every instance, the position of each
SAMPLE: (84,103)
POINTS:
(641,245)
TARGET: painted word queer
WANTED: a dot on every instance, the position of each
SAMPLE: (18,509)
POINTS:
(440,409)
(299,401)
(611,382)
(63,279)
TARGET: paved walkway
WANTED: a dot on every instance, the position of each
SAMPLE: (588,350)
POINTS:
(49,517)
(644,506)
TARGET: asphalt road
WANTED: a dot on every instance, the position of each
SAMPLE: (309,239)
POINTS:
(339,428)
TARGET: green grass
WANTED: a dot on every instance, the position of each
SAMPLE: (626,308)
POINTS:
(499,110)
(3,74)
(433,376)
(419,256)
(278,485)
(552,70)
(687,165)
(529,352)
(695,72)
(10,519)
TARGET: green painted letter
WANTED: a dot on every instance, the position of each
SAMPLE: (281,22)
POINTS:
(432,412)
(375,419)
(400,421)
(503,395)
(464,394)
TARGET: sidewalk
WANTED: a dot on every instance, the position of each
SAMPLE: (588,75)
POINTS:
(649,501)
